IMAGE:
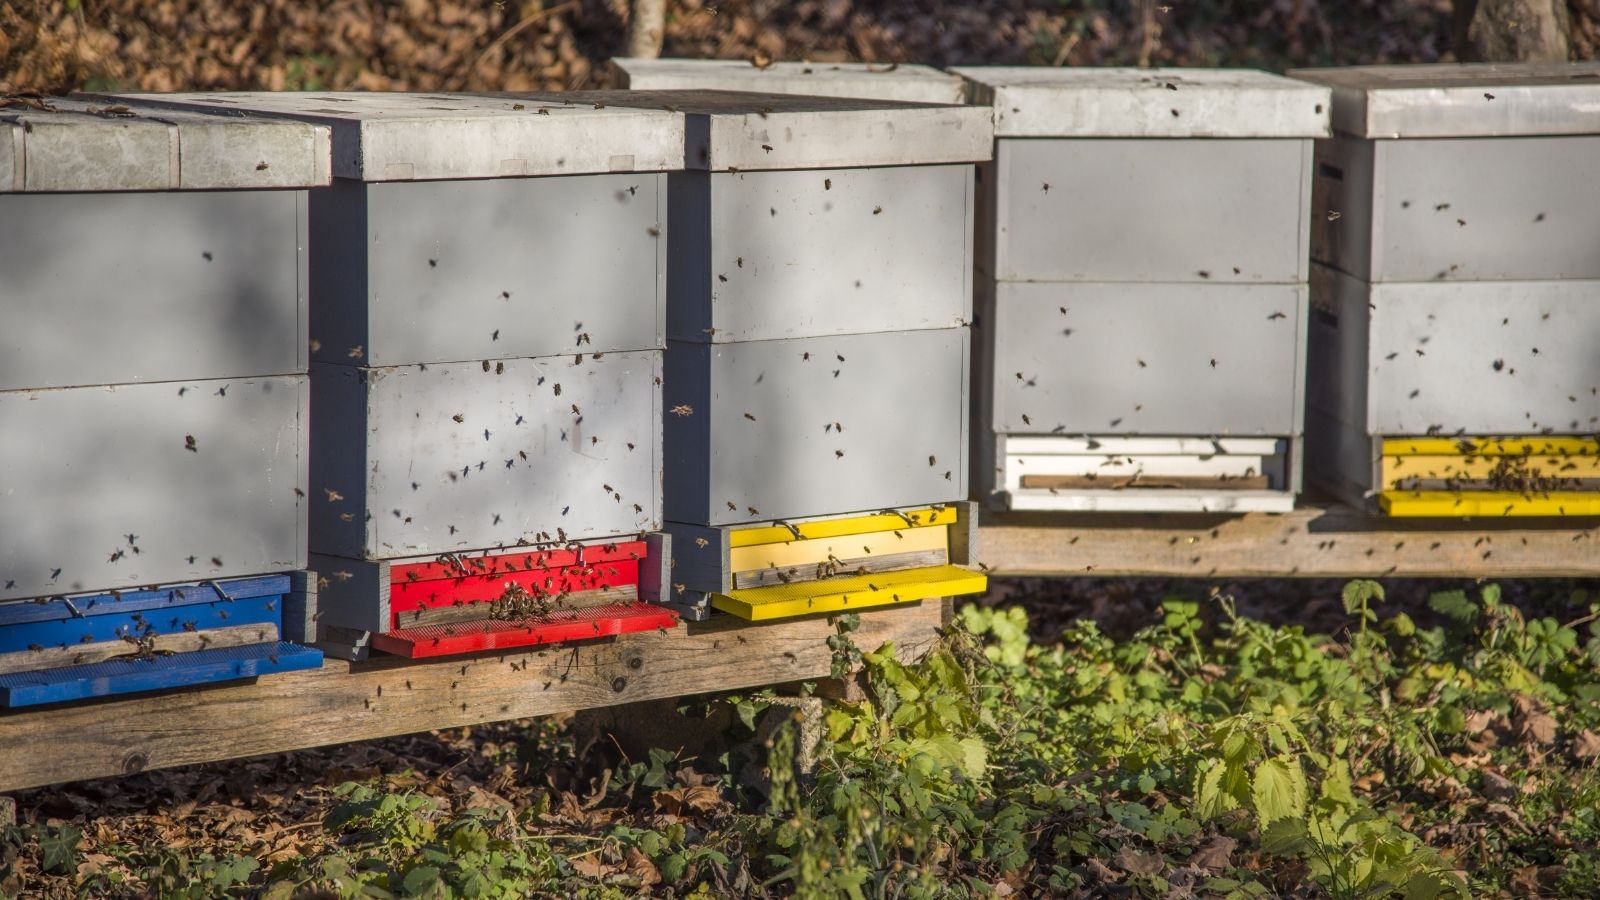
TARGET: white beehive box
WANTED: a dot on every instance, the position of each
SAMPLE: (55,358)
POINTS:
(1142,288)
(817,362)
(153,396)
(1456,292)
(487,323)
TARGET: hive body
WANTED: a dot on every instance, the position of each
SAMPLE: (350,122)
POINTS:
(1457,295)
(487,299)
(817,362)
(153,387)
(1142,288)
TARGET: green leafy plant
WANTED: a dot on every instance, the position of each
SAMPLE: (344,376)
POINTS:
(1445,750)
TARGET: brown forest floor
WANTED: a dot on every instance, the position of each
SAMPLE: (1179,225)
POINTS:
(439,45)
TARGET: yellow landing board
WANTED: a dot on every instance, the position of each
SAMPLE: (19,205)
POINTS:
(920,517)
(1440,467)
(1541,445)
(849,546)
(1488,504)
(781,601)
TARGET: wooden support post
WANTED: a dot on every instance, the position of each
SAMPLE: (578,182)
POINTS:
(387,696)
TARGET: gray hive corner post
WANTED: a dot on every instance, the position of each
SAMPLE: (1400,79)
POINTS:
(488,289)
(153,388)
(1456,283)
(819,298)
(1143,288)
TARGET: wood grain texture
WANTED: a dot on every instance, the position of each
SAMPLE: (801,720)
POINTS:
(345,701)
(178,642)
(1319,539)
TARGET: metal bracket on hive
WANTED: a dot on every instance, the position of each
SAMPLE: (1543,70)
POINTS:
(1490,477)
(779,570)
(124,642)
(529,597)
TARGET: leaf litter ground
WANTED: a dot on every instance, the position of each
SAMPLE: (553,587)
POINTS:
(1071,738)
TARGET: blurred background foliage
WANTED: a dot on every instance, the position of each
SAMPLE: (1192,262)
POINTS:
(443,45)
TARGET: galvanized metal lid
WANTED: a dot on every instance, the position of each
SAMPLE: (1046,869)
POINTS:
(1463,100)
(735,131)
(915,84)
(58,144)
(413,137)
(1039,101)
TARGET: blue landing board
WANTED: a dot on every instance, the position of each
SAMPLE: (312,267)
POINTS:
(96,618)
(110,626)
(144,601)
(128,676)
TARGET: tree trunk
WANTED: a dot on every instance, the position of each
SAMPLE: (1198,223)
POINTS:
(647,28)
(1512,31)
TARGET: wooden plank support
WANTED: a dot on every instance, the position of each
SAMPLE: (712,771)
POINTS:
(345,701)
(1319,539)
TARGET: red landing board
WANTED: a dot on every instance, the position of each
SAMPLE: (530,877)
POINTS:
(478,579)
(497,634)
(457,585)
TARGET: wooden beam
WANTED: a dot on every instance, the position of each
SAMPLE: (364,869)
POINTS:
(346,701)
(177,642)
(1318,539)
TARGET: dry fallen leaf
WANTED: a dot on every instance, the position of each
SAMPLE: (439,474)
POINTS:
(1099,872)
(1539,727)
(591,864)
(689,800)
(1216,853)
(1138,861)
(1498,787)
(640,867)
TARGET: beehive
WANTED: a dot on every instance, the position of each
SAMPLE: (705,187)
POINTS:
(1142,288)
(1456,290)
(818,300)
(869,81)
(153,394)
(487,301)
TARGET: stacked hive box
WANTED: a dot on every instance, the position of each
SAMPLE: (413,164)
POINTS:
(1142,288)
(914,84)
(152,397)
(487,290)
(1455,350)
(817,359)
